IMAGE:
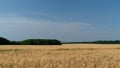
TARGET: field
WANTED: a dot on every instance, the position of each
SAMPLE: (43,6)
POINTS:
(65,56)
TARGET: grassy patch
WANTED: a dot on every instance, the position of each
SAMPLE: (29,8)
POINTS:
(8,50)
(65,49)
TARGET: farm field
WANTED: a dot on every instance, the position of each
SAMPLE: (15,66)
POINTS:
(65,56)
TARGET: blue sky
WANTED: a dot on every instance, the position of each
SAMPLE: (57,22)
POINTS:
(66,20)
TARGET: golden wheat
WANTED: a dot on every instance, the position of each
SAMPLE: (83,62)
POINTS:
(65,56)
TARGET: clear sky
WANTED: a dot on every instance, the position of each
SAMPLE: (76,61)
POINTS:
(66,20)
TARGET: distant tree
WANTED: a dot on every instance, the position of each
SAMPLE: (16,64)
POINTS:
(4,41)
(41,42)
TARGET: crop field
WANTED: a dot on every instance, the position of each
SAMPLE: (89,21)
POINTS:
(65,56)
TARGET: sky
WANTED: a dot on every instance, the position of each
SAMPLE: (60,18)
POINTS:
(65,20)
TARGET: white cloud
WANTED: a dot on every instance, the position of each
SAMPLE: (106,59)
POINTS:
(8,14)
(41,25)
(20,28)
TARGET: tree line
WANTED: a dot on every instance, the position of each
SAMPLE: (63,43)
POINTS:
(96,42)
(104,42)
(4,41)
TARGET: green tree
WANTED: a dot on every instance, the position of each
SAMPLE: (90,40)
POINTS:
(4,41)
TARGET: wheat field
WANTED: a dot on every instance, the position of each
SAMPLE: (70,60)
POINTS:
(65,56)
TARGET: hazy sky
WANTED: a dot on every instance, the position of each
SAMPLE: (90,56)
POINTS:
(66,20)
